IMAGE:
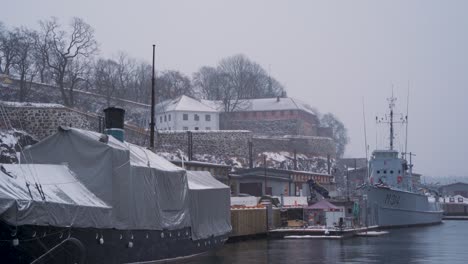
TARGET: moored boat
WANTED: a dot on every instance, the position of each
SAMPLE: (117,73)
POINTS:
(392,199)
(83,197)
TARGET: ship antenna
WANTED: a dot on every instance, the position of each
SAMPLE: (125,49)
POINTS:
(152,125)
(406,119)
(365,135)
(391,105)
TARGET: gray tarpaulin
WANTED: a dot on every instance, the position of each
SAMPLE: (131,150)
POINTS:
(143,190)
(67,201)
(209,205)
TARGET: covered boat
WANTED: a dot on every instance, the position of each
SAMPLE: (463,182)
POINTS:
(85,197)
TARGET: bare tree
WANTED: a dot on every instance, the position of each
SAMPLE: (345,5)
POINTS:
(234,80)
(8,51)
(106,78)
(64,52)
(24,60)
(340,133)
(171,84)
(208,82)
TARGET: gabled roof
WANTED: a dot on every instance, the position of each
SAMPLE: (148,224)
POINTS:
(323,205)
(265,104)
(183,103)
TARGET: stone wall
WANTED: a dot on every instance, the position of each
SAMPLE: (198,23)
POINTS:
(217,143)
(311,146)
(42,120)
(273,127)
(86,102)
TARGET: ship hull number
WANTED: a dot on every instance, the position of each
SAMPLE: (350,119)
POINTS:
(392,199)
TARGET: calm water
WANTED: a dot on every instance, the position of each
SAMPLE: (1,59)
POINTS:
(445,243)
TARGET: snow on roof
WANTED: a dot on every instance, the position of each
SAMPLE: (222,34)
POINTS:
(202,180)
(27,104)
(265,104)
(183,103)
(58,182)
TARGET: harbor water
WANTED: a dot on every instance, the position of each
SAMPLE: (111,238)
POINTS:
(444,243)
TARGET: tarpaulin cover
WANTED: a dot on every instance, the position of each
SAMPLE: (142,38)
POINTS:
(143,190)
(209,205)
(67,202)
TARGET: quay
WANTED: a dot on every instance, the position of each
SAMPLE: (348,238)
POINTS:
(256,222)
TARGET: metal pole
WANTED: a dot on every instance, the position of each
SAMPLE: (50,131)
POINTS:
(347,182)
(152,124)
(265,172)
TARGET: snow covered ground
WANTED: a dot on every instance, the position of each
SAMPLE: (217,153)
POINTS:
(11,142)
(278,160)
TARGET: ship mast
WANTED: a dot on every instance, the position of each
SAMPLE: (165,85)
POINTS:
(391,104)
(152,124)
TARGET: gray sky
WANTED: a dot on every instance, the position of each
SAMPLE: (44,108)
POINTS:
(330,54)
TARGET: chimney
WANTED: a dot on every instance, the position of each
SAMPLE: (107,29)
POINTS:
(114,119)
(277,98)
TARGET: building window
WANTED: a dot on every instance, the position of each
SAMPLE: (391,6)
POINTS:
(196,128)
(185,117)
(169,117)
(282,113)
(265,113)
(207,117)
(196,117)
(160,119)
(207,128)
(185,128)
(165,118)
(291,112)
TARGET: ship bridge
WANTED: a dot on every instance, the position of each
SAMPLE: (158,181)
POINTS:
(385,168)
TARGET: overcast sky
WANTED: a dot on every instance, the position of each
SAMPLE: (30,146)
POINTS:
(331,54)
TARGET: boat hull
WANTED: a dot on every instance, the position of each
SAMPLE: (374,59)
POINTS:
(40,244)
(394,208)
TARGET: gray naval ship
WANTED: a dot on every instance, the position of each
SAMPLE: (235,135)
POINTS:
(392,199)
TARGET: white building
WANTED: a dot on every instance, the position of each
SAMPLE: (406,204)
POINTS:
(186,113)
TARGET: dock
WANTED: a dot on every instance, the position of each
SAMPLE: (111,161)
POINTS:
(323,233)
(455,217)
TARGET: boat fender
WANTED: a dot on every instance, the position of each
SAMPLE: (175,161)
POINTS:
(130,244)
(101,241)
(15,242)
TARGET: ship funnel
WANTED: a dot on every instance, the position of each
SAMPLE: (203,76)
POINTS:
(114,119)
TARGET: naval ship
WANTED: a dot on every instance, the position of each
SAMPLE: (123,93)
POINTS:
(391,197)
